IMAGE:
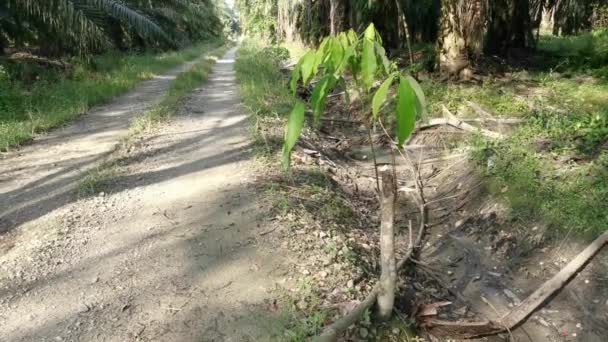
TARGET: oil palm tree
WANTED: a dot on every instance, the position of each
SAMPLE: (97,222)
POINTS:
(57,26)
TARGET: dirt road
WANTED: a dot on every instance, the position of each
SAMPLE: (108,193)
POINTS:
(169,254)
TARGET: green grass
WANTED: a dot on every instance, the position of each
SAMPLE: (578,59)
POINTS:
(262,86)
(554,169)
(582,52)
(265,92)
(98,179)
(35,99)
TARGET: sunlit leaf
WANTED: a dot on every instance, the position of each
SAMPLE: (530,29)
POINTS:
(336,54)
(292,134)
(406,110)
(308,66)
(323,52)
(369,64)
(380,96)
(421,110)
(370,32)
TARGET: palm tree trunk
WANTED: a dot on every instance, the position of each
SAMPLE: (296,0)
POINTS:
(337,16)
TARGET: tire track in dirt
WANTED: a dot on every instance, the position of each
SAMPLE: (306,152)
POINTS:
(171,254)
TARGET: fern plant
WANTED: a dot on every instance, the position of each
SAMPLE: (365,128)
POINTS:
(365,60)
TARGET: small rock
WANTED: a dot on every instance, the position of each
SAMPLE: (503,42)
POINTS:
(579,326)
(94,280)
(58,338)
(102,194)
(323,274)
(305,272)
(450,273)
(302,305)
(542,322)
(350,284)
(363,332)
(458,223)
(83,308)
(395,331)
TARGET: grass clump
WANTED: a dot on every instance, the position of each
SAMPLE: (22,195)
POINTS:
(262,86)
(265,92)
(98,179)
(34,99)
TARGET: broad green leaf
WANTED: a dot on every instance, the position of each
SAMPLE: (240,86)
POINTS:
(381,53)
(347,58)
(292,133)
(420,99)
(369,64)
(353,37)
(370,32)
(343,39)
(380,96)
(322,52)
(308,66)
(336,54)
(406,110)
(295,77)
(319,95)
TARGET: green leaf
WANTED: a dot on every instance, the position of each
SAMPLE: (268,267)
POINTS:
(369,64)
(347,58)
(292,133)
(370,32)
(381,53)
(380,96)
(353,37)
(323,51)
(336,54)
(308,66)
(420,98)
(295,77)
(319,95)
(406,110)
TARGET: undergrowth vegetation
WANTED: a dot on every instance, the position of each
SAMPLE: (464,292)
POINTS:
(265,92)
(34,99)
(554,168)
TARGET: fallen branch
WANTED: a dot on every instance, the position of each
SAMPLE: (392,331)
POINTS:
(479,110)
(455,122)
(28,57)
(466,329)
(502,121)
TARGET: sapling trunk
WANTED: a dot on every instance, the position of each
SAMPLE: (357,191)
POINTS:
(388,277)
